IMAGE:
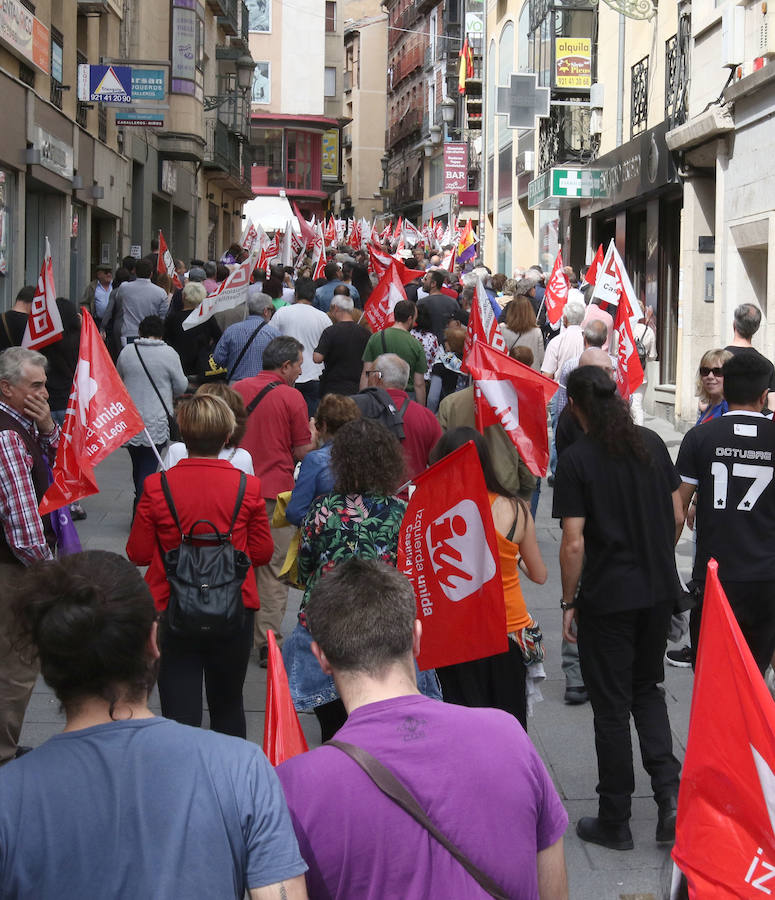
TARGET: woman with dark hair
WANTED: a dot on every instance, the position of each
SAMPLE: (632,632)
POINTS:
(500,680)
(423,331)
(361,517)
(616,492)
(316,476)
(205,490)
(518,327)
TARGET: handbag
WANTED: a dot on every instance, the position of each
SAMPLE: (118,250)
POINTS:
(172,422)
(398,793)
(205,575)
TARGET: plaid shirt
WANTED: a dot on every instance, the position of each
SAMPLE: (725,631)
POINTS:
(21,520)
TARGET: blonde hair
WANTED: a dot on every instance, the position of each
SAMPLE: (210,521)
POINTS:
(206,424)
(710,358)
(235,403)
(194,293)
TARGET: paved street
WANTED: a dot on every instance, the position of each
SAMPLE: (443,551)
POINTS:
(563,734)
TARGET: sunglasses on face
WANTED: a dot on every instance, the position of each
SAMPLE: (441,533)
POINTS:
(718,371)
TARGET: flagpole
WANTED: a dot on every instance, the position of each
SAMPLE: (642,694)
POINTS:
(538,314)
(155,451)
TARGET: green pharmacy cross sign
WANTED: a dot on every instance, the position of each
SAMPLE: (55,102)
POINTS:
(554,185)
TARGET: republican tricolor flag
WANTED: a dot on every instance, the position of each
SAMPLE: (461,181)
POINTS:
(44,324)
(466,247)
(515,396)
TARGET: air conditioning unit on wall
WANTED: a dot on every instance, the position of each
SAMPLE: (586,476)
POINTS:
(733,37)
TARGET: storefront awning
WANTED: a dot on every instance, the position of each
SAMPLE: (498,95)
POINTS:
(272,213)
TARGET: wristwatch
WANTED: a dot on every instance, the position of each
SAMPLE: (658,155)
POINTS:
(565,606)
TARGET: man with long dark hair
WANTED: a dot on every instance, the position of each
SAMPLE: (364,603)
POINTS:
(617,495)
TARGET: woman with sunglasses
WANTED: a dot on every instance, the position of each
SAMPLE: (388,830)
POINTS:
(710,385)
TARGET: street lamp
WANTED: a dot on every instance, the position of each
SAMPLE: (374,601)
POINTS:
(448,110)
(427,147)
(435,133)
(244,66)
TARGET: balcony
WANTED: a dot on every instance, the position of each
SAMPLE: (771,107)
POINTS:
(243,38)
(229,18)
(92,7)
(564,137)
(222,159)
(347,82)
(410,123)
(217,6)
(421,7)
(408,192)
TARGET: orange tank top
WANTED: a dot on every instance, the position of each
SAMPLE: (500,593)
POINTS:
(517,615)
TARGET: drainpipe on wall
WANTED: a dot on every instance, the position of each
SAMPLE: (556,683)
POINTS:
(620,86)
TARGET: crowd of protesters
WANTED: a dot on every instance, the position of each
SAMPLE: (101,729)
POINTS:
(286,424)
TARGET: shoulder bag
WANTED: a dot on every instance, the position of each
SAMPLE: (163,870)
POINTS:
(205,575)
(398,793)
(171,420)
(243,351)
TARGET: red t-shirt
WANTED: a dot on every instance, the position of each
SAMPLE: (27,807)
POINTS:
(275,427)
(421,432)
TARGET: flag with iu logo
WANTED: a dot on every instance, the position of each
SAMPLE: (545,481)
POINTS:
(448,549)
(725,834)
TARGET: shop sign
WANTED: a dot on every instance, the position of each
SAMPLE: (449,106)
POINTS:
(555,185)
(455,167)
(136,250)
(105,84)
(25,34)
(330,154)
(55,155)
(573,63)
(147,84)
(143,120)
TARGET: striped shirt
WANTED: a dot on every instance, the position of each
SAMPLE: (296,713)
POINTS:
(233,341)
(22,525)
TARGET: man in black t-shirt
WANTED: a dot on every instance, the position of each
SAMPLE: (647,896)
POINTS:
(617,493)
(746,322)
(728,462)
(340,349)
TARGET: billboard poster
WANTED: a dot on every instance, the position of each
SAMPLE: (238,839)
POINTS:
(573,63)
(455,167)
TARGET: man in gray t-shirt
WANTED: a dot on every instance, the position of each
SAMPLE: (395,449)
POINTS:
(138,299)
(124,803)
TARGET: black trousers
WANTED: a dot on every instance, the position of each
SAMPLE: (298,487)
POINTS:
(222,662)
(753,603)
(497,681)
(622,661)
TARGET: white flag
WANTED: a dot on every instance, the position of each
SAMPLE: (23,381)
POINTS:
(608,283)
(229,293)
(44,325)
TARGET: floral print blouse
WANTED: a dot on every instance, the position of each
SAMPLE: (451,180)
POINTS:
(339,526)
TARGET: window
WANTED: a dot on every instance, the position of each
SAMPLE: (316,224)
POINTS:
(26,75)
(330,15)
(639,94)
(303,160)
(436,175)
(329,81)
(268,158)
(57,54)
(433,28)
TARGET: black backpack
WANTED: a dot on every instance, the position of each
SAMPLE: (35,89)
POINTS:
(375,403)
(205,574)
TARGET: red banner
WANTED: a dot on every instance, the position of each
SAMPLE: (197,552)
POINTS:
(448,549)
(513,395)
(378,310)
(165,264)
(44,324)
(556,294)
(725,834)
(629,371)
(283,737)
(100,418)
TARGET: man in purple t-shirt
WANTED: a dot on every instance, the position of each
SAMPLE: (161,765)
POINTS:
(474,771)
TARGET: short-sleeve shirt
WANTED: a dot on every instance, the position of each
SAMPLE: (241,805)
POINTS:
(730,460)
(306,324)
(629,528)
(275,427)
(143,808)
(341,347)
(403,344)
(735,350)
(500,819)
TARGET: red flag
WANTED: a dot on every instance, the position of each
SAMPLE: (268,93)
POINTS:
(307,231)
(378,310)
(556,294)
(319,260)
(386,232)
(268,253)
(399,229)
(379,259)
(591,274)
(514,395)
(165,264)
(44,324)
(629,371)
(100,418)
(725,833)
(354,239)
(283,737)
(482,324)
(448,549)
(330,234)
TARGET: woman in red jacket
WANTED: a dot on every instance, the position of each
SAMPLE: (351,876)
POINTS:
(202,487)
